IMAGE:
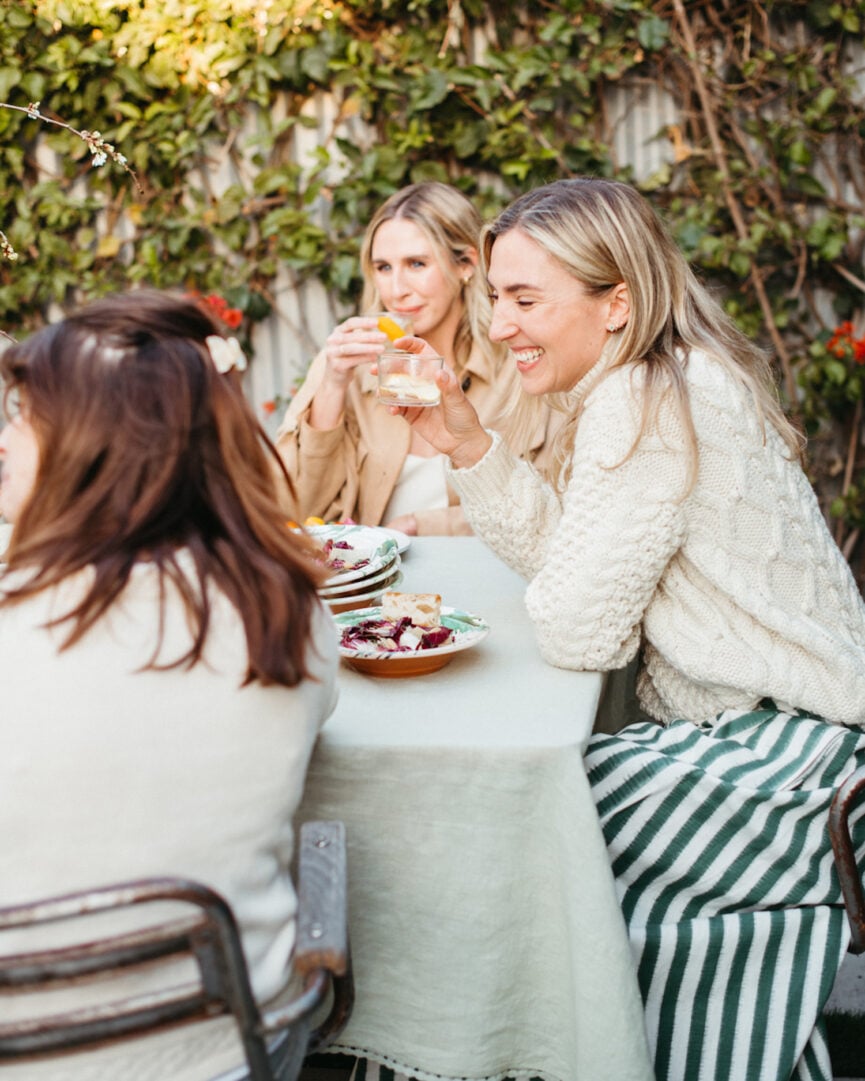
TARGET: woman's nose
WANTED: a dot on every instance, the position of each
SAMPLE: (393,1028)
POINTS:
(501,328)
(399,283)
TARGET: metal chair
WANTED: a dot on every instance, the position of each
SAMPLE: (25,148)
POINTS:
(842,804)
(275,1042)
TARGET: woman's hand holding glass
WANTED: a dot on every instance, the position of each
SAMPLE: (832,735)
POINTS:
(356,341)
(453,426)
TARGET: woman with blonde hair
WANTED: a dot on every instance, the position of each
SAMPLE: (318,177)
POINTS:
(348,457)
(165,661)
(681,531)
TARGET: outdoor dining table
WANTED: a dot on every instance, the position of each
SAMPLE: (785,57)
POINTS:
(485,930)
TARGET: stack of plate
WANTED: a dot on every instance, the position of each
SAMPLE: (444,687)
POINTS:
(365,561)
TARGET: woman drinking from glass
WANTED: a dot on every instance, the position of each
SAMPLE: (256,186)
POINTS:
(348,457)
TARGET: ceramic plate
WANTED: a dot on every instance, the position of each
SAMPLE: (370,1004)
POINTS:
(403,540)
(375,533)
(363,552)
(360,585)
(468,631)
(362,599)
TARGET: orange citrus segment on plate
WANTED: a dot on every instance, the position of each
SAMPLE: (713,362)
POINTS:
(390,327)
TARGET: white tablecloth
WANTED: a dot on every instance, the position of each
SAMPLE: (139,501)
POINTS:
(486,935)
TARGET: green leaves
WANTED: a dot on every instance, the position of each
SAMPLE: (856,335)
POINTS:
(265,135)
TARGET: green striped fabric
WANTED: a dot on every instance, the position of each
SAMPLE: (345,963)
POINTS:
(718,839)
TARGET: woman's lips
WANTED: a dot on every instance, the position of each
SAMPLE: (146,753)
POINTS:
(526,358)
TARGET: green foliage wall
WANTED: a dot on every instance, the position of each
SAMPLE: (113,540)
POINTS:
(764,191)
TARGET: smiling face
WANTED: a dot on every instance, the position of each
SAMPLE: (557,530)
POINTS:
(19,464)
(410,279)
(554,327)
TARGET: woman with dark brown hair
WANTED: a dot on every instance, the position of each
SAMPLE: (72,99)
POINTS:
(165,661)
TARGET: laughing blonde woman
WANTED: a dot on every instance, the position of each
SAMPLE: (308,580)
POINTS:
(682,531)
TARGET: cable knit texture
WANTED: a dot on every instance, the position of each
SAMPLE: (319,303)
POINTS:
(736,592)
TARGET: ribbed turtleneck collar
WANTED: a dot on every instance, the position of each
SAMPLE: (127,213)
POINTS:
(577,394)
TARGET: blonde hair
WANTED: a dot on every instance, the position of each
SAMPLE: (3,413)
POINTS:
(604,232)
(452,225)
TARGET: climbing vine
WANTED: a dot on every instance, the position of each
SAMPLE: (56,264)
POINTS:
(262,134)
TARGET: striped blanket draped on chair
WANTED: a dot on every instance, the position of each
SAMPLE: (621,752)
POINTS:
(718,840)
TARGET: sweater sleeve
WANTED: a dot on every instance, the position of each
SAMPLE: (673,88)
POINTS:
(595,560)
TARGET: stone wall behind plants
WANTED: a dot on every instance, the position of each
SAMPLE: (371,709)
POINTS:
(264,132)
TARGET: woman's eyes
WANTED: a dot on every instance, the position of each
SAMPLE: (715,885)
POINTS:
(415,264)
(519,301)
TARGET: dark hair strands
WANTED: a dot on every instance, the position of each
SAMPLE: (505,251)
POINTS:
(146,450)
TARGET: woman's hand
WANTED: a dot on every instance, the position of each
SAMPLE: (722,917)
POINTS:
(356,341)
(405,523)
(452,427)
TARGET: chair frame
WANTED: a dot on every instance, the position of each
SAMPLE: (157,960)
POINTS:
(843,802)
(211,937)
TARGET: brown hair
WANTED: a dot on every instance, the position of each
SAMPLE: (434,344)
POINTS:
(147,451)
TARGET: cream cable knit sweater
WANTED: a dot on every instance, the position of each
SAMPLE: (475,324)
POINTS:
(736,592)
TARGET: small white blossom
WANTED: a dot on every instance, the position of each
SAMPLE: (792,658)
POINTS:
(225,353)
(6,249)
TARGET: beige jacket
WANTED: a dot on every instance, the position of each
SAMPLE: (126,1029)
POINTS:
(350,471)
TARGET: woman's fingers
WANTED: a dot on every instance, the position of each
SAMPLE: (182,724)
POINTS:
(450,424)
(355,341)
(414,345)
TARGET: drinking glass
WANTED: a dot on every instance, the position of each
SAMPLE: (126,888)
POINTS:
(394,324)
(408,378)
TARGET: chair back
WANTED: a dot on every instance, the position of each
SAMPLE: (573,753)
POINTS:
(274,1044)
(843,803)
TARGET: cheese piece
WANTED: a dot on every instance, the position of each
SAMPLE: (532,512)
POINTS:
(423,609)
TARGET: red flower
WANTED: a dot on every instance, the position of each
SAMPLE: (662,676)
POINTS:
(268,407)
(233,317)
(859,351)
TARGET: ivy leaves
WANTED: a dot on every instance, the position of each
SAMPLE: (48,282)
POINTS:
(265,135)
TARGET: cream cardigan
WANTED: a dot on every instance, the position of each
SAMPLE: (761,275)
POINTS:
(735,593)
(110,773)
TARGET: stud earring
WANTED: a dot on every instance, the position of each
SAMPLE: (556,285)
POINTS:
(613,329)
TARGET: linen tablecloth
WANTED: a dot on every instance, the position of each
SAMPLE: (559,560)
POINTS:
(486,935)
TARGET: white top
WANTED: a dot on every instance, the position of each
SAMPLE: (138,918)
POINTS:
(421,486)
(109,773)
(736,592)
